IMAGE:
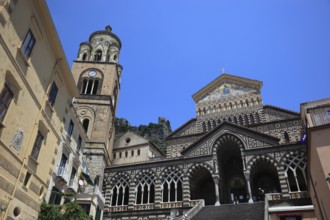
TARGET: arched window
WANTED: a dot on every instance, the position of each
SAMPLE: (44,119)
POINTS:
(86,124)
(214,123)
(115,57)
(89,86)
(296,173)
(229,119)
(172,186)
(235,120)
(98,55)
(257,118)
(240,119)
(145,190)
(246,120)
(126,154)
(138,152)
(204,126)
(251,119)
(120,193)
(84,57)
(219,121)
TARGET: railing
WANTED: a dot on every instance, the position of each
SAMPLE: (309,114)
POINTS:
(171,205)
(290,195)
(194,210)
(143,206)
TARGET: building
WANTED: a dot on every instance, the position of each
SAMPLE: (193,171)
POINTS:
(316,119)
(236,150)
(97,74)
(33,75)
(132,148)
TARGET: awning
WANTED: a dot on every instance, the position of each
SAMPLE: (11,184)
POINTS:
(88,178)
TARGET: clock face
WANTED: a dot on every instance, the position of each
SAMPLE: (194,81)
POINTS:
(92,73)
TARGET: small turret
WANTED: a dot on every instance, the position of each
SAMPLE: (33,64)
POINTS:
(103,46)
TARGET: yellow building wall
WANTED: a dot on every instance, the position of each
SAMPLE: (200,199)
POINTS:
(29,111)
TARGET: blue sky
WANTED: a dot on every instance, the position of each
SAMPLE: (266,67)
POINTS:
(173,48)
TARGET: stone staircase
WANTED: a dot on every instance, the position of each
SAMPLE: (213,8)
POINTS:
(243,211)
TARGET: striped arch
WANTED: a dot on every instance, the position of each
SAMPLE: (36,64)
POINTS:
(264,173)
(197,166)
(254,160)
(225,138)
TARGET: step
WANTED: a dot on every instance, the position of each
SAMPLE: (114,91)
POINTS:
(243,211)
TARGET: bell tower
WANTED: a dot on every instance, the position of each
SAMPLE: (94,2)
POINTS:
(97,75)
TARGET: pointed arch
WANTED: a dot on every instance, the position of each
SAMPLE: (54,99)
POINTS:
(295,171)
(145,187)
(171,184)
(119,185)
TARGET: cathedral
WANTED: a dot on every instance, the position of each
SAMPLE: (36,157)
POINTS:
(236,159)
(235,151)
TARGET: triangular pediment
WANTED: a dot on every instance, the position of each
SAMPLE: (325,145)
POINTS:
(249,138)
(130,139)
(227,86)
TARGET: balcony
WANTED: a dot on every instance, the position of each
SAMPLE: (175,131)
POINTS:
(73,185)
(62,175)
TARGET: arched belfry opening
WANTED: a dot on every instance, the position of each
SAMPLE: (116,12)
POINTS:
(232,182)
(264,179)
(202,186)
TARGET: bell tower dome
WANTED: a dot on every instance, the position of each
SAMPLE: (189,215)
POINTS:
(97,74)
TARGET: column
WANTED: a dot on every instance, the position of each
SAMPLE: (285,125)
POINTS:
(217,195)
(247,178)
(131,196)
(185,191)
(158,193)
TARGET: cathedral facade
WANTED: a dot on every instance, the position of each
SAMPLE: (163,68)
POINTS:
(236,150)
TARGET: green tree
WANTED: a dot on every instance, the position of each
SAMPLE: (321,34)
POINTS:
(68,211)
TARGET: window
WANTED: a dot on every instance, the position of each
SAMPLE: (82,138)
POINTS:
(132,153)
(126,154)
(55,196)
(89,86)
(145,190)
(37,145)
(98,55)
(27,178)
(70,128)
(79,143)
(119,154)
(84,57)
(52,94)
(85,124)
(86,208)
(138,152)
(73,173)
(28,44)
(5,98)
(114,156)
(61,168)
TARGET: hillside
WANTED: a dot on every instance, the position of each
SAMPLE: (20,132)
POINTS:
(155,133)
